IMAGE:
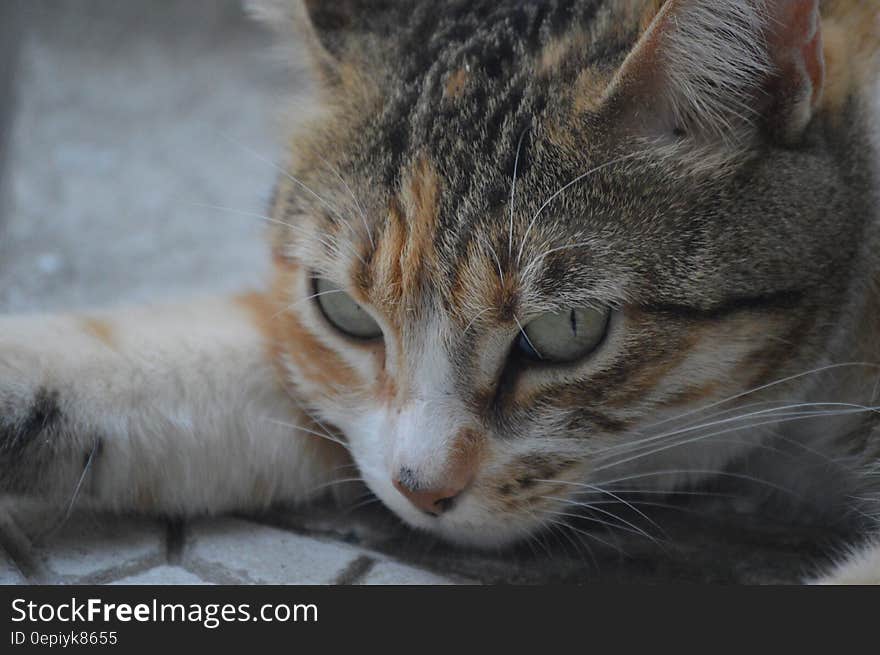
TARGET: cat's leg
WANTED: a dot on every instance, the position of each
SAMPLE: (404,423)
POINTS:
(177,410)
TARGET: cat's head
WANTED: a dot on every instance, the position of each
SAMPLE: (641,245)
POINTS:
(523,233)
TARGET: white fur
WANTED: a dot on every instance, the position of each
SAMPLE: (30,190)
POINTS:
(862,568)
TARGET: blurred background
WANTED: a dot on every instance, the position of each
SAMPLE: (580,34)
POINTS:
(128,118)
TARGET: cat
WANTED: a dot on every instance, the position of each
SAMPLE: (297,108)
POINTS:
(528,254)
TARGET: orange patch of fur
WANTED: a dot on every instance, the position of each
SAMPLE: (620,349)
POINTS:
(387,389)
(317,363)
(287,337)
(489,298)
(101,330)
(456,83)
(499,294)
(405,250)
(386,267)
(261,310)
(466,454)
(421,202)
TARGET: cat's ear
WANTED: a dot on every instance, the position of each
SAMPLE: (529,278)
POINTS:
(722,70)
(333,31)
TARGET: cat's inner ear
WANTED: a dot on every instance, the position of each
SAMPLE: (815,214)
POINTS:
(722,70)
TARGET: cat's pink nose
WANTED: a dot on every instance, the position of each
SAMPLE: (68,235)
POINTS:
(437,492)
(433,501)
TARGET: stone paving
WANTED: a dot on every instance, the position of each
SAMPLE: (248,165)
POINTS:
(698,541)
(91,549)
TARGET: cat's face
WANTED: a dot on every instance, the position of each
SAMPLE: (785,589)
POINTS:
(495,282)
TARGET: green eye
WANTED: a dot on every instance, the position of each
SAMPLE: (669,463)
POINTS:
(343,313)
(565,336)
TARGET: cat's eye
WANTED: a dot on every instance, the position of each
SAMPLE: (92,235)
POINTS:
(564,336)
(343,312)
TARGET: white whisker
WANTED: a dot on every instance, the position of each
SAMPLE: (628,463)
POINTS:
(306,299)
(791,378)
(239,212)
(526,336)
(589,535)
(357,203)
(783,412)
(565,188)
(560,527)
(333,483)
(706,472)
(475,319)
(301,428)
(287,174)
(528,271)
(513,192)
(774,421)
(593,519)
(494,256)
(294,228)
(305,410)
(368,501)
(605,492)
(575,503)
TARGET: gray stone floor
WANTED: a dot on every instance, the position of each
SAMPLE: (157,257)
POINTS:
(132,117)
(88,549)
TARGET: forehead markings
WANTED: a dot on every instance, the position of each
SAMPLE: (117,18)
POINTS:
(380,279)
(394,276)
(482,288)
(421,202)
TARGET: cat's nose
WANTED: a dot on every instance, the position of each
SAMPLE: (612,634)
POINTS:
(433,501)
